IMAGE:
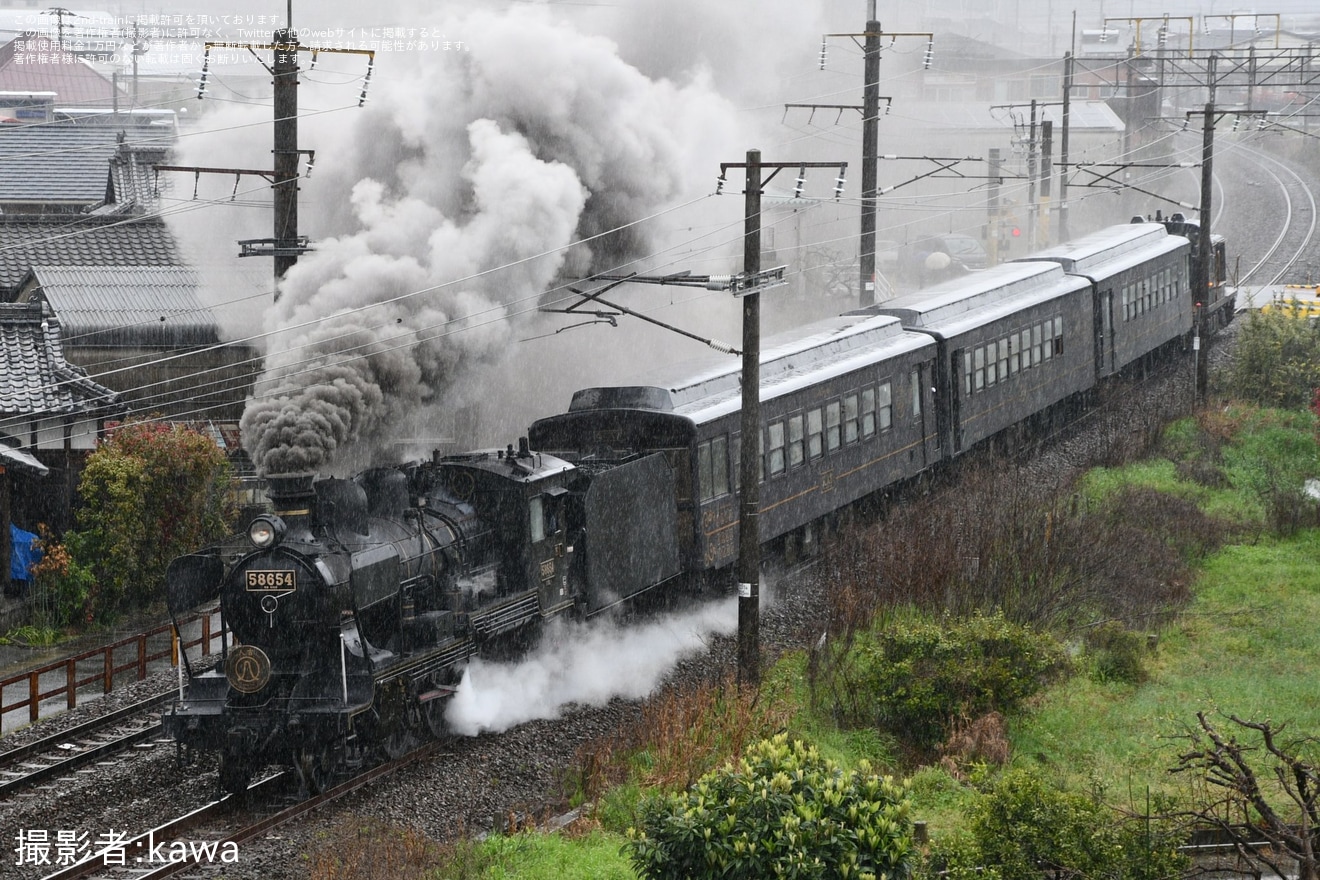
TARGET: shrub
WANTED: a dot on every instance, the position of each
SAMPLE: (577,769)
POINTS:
(1027,828)
(149,493)
(1277,360)
(1116,653)
(917,677)
(782,811)
(62,587)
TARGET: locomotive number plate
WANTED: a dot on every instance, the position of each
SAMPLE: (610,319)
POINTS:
(263,581)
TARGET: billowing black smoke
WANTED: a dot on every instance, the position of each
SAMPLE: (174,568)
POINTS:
(470,178)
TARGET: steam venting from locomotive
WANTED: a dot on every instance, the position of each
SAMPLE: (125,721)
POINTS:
(471,175)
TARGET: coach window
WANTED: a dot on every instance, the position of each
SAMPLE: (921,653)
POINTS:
(705,490)
(1025,347)
(886,407)
(967,372)
(1003,359)
(1036,356)
(815,434)
(776,458)
(1014,359)
(1058,336)
(979,364)
(832,418)
(796,451)
(868,411)
(850,413)
(914,380)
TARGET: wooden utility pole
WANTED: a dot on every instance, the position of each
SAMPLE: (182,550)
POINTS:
(749,491)
(1063,146)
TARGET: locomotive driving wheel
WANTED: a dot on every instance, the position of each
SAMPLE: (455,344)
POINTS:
(315,768)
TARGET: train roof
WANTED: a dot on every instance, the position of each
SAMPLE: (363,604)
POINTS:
(1111,250)
(508,464)
(969,301)
(789,360)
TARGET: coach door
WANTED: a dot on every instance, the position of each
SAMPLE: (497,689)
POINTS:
(1104,321)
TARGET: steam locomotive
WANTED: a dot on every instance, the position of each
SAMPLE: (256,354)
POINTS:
(355,604)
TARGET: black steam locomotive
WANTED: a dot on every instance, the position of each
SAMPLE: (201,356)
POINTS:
(355,605)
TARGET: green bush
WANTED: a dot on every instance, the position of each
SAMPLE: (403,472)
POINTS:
(916,678)
(1116,653)
(149,493)
(782,811)
(1027,828)
(1277,360)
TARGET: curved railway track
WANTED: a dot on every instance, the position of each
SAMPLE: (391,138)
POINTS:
(1297,233)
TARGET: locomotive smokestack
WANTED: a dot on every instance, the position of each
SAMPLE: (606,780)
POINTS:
(293,499)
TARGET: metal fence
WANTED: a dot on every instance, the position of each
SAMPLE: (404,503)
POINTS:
(98,670)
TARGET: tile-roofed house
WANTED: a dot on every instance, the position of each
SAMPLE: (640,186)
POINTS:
(27,241)
(144,331)
(31,62)
(62,167)
(50,412)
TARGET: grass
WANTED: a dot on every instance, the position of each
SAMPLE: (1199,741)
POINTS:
(1242,647)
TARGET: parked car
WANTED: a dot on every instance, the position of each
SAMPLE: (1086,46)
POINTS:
(964,250)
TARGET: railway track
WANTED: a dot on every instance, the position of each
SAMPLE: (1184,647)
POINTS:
(92,741)
(1297,232)
(213,834)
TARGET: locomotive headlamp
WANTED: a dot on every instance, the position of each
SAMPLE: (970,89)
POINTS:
(265,531)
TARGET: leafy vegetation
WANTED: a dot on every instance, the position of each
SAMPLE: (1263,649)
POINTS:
(1277,360)
(917,677)
(149,493)
(781,811)
(1023,826)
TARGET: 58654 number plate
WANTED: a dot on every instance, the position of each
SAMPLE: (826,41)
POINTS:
(262,581)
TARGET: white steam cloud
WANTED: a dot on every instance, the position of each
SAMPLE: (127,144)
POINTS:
(471,176)
(583,664)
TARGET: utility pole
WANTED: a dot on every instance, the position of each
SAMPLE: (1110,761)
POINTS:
(749,492)
(1063,146)
(871,139)
(1046,172)
(286,247)
(992,207)
(1032,170)
(1201,283)
(870,151)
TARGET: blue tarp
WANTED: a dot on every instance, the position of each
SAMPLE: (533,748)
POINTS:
(23,552)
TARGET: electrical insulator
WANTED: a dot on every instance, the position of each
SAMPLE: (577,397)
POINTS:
(822,53)
(719,184)
(838,186)
(1104,34)
(930,54)
(801,181)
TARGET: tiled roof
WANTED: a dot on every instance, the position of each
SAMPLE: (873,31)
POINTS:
(132,180)
(32,63)
(36,379)
(87,241)
(55,163)
(126,305)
